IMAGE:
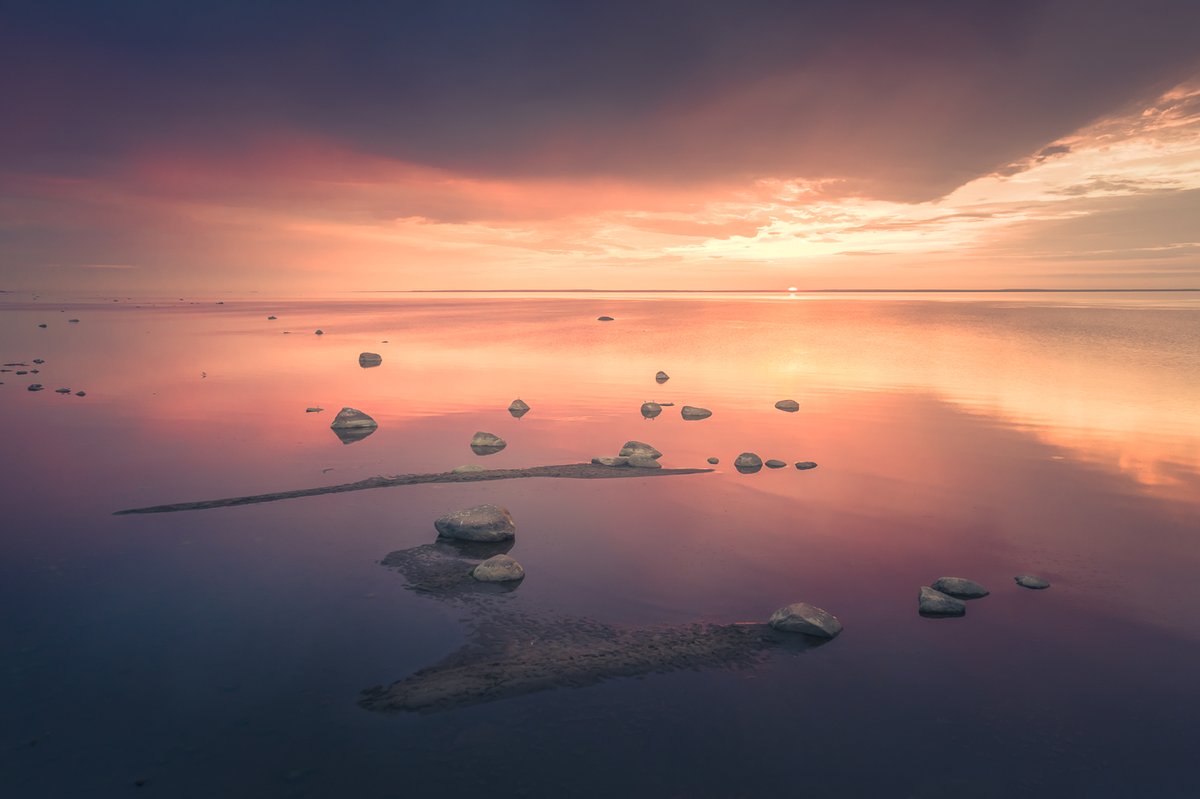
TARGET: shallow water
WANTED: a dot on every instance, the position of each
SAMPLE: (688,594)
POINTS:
(224,652)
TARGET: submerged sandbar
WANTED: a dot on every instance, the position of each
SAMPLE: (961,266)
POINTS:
(575,471)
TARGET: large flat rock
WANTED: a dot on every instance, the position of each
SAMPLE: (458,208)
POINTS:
(480,523)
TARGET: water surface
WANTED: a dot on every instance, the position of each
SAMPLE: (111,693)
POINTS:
(224,652)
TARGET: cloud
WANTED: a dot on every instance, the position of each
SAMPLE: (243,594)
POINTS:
(885,100)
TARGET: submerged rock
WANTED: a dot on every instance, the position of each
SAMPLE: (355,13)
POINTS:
(791,406)
(443,568)
(748,463)
(801,617)
(62,391)
(604,318)
(639,449)
(35,387)
(498,569)
(270,318)
(714,461)
(1029,581)
(313,410)
(81,393)
(368,359)
(805,465)
(570,653)
(935,603)
(468,467)
(651,409)
(642,462)
(73,321)
(959,587)
(38,361)
(662,377)
(611,461)
(692,414)
(775,464)
(481,523)
(518,408)
(42,325)
(487,443)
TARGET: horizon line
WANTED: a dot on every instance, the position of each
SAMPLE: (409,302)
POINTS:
(767,291)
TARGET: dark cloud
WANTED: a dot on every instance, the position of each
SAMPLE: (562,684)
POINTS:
(1107,184)
(1053,150)
(904,101)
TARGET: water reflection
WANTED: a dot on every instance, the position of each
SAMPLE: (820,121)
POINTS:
(350,435)
(953,438)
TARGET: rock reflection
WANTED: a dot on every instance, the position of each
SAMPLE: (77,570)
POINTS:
(348,435)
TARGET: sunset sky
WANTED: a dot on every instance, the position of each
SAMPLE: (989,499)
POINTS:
(313,147)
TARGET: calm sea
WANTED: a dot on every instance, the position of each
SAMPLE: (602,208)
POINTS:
(222,653)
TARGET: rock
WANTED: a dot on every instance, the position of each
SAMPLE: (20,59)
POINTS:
(805,465)
(791,406)
(642,462)
(73,321)
(1029,581)
(351,425)
(651,409)
(775,464)
(270,318)
(38,361)
(35,387)
(468,467)
(611,461)
(22,371)
(487,443)
(604,319)
(693,414)
(42,325)
(320,332)
(368,359)
(639,449)
(81,393)
(667,404)
(313,410)
(62,391)
(748,463)
(518,408)
(802,617)
(959,587)
(350,418)
(498,569)
(481,523)
(714,461)
(662,377)
(935,603)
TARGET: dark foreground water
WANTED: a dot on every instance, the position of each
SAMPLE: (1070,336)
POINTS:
(224,653)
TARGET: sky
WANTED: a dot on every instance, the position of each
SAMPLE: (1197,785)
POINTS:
(303,147)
